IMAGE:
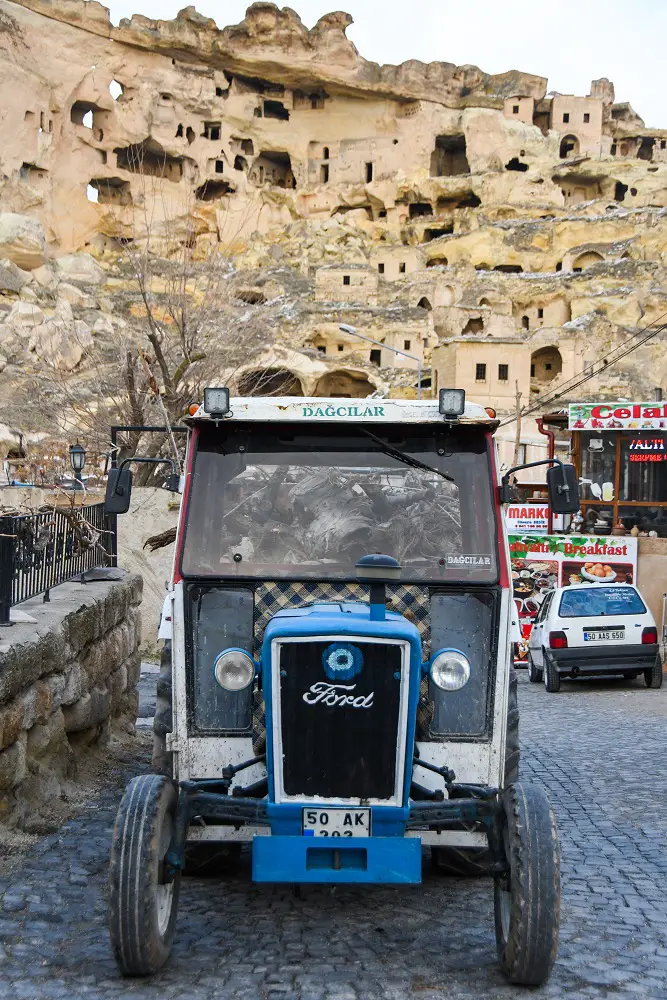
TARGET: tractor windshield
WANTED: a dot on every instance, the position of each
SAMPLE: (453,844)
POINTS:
(286,501)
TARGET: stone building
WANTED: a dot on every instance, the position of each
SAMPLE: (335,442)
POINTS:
(476,218)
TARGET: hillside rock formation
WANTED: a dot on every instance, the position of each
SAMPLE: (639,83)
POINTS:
(463,218)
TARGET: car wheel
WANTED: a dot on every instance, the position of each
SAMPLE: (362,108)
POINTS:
(534,673)
(551,675)
(527,897)
(653,677)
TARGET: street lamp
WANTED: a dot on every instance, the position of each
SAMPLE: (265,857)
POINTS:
(352,330)
(77,459)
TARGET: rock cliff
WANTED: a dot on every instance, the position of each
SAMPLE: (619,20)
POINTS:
(429,206)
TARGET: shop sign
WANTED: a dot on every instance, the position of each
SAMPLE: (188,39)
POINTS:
(617,416)
(532,516)
(541,562)
(647,449)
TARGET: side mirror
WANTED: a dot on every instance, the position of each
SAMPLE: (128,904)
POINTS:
(563,489)
(506,491)
(119,491)
(173,482)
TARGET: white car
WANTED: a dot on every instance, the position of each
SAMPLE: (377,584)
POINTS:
(592,629)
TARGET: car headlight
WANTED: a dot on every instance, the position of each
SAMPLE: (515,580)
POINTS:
(450,670)
(234,669)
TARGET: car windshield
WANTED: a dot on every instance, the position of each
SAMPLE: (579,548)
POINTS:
(287,501)
(601,601)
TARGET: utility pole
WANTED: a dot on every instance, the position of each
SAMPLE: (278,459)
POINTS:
(517,436)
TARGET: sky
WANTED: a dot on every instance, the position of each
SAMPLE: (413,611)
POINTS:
(571,42)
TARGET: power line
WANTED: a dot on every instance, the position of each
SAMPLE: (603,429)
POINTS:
(576,380)
(593,370)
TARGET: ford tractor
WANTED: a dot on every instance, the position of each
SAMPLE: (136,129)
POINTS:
(337,689)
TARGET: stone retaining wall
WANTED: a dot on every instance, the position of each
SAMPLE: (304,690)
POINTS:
(66,674)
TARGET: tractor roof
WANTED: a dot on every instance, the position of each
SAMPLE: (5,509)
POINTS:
(320,410)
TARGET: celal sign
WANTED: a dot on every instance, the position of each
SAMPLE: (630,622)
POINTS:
(532,517)
(617,416)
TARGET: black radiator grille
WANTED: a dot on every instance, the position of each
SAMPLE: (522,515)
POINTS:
(337,748)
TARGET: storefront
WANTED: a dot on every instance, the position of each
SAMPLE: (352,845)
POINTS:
(620,452)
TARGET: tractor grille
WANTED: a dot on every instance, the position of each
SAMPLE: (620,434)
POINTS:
(340,736)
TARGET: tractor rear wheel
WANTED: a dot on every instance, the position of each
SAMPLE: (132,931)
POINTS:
(469,862)
(527,897)
(143,892)
(163,721)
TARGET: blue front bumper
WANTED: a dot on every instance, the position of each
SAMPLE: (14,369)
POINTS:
(355,859)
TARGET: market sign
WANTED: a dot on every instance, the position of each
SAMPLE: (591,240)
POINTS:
(530,516)
(617,416)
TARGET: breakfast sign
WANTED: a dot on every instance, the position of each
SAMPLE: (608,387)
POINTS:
(617,416)
(541,562)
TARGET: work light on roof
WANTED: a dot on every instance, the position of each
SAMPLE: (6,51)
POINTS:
(216,402)
(452,403)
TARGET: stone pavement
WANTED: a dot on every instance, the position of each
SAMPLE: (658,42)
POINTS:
(600,750)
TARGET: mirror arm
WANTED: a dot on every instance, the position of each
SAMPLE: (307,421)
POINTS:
(146,461)
(530,465)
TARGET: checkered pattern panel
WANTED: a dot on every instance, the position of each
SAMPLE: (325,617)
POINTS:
(410,600)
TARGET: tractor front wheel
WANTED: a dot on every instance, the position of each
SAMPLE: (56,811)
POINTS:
(527,897)
(143,892)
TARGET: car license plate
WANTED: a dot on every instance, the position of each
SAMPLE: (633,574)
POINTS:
(336,822)
(605,634)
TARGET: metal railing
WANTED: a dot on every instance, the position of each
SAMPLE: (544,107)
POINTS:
(38,551)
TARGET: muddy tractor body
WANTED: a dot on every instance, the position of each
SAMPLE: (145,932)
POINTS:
(336,686)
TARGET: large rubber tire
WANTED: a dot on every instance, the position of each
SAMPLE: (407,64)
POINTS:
(470,862)
(163,721)
(527,899)
(653,677)
(551,675)
(143,900)
(535,674)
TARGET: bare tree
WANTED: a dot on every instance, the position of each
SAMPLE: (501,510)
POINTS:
(188,321)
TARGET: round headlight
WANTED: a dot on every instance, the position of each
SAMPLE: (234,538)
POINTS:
(450,670)
(234,670)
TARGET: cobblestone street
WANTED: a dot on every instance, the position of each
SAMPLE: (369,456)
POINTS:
(599,748)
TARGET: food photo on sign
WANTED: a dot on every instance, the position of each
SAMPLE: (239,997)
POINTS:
(541,562)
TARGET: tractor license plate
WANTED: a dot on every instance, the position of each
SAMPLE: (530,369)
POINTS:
(336,822)
(604,634)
